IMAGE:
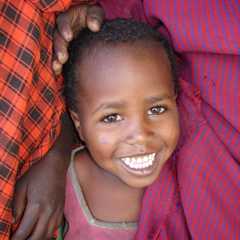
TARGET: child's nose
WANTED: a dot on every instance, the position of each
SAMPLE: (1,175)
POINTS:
(140,133)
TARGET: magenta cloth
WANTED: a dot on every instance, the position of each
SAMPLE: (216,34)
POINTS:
(207,34)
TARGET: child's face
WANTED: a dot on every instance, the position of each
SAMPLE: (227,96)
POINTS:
(127,113)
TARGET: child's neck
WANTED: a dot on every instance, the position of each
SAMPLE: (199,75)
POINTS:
(108,198)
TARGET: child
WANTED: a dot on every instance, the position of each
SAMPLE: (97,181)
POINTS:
(121,93)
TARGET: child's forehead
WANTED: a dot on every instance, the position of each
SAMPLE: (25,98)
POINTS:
(112,69)
(121,52)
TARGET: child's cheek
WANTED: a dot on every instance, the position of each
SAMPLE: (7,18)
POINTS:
(103,140)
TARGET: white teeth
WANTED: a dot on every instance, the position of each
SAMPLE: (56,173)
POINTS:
(140,162)
(127,161)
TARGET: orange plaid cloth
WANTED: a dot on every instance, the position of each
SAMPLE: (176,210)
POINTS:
(30,97)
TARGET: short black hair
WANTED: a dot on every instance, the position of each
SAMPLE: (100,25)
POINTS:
(112,32)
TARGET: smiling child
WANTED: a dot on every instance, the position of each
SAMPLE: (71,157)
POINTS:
(121,93)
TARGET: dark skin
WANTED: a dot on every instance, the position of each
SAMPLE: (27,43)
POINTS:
(100,185)
(69,24)
(39,194)
(122,126)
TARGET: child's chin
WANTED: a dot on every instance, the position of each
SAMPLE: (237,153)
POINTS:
(141,183)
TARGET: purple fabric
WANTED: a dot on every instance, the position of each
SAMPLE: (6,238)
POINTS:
(207,176)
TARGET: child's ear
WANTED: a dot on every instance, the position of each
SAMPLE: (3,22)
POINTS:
(77,123)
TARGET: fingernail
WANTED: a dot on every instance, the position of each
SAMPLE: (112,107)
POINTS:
(67,35)
(56,66)
(61,57)
(95,24)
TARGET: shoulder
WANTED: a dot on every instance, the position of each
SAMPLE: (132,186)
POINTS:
(80,162)
(79,154)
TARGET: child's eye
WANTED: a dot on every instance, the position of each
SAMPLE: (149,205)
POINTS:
(112,118)
(156,110)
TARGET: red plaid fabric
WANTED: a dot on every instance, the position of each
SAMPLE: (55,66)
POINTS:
(30,97)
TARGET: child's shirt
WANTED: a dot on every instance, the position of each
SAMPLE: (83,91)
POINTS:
(82,224)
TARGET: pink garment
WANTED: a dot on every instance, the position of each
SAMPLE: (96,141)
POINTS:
(207,34)
(82,224)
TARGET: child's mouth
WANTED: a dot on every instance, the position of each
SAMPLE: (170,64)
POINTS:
(139,164)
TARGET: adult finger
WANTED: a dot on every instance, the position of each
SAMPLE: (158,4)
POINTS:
(60,48)
(19,201)
(40,230)
(95,17)
(63,23)
(57,67)
(54,223)
(28,222)
(71,21)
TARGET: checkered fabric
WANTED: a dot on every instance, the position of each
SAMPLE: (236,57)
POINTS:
(30,97)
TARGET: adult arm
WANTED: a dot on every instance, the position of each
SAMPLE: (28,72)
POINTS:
(40,192)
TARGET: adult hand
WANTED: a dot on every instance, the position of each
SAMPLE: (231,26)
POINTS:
(69,24)
(40,193)
(39,202)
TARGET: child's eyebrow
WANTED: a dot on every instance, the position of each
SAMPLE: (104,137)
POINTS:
(107,105)
(160,98)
